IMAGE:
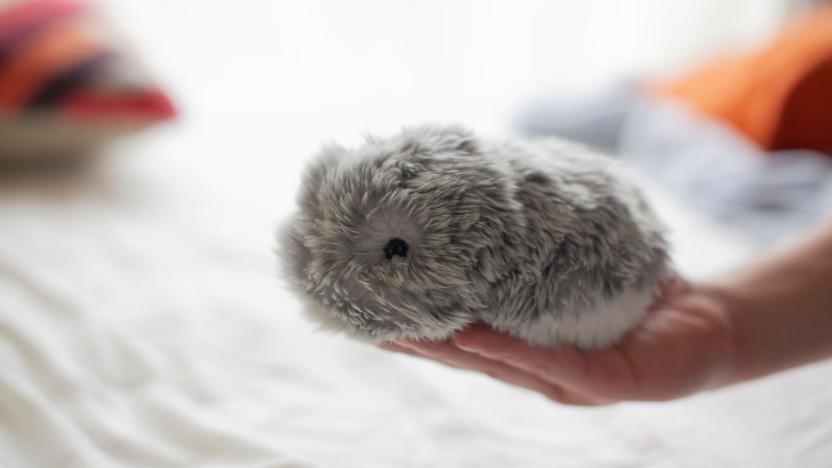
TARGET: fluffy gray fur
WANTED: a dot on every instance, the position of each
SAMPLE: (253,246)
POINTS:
(544,240)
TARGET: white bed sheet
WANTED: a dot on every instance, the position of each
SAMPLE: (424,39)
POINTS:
(142,323)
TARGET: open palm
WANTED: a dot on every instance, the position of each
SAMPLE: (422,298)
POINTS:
(684,345)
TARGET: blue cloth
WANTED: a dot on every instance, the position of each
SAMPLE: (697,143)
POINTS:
(769,195)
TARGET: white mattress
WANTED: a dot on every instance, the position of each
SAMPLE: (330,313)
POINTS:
(142,323)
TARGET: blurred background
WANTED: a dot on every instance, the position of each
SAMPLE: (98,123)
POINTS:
(141,319)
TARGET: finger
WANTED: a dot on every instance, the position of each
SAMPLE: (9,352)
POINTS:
(487,342)
(413,351)
(445,352)
(390,346)
(671,286)
(595,373)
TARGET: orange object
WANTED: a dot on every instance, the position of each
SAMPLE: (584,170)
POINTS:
(779,96)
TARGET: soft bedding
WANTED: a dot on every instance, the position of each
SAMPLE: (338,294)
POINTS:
(142,322)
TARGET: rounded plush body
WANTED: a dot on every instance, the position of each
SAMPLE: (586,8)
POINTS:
(424,233)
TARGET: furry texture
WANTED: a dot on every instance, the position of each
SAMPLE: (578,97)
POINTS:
(424,233)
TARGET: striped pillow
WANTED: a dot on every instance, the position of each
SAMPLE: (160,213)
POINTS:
(64,89)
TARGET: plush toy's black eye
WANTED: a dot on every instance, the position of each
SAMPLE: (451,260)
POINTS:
(396,247)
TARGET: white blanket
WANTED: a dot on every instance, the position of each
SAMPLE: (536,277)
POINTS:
(142,323)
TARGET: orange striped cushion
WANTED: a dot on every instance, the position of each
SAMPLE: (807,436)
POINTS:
(59,68)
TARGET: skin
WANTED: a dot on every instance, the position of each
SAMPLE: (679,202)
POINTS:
(771,315)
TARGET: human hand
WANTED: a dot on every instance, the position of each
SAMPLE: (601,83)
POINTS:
(685,344)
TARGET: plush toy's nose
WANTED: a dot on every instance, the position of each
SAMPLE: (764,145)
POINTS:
(396,247)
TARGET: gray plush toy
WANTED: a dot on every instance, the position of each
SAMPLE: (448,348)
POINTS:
(424,233)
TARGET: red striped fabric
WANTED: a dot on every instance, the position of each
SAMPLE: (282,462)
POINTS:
(55,58)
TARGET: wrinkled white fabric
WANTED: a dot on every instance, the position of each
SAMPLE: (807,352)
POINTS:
(142,323)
